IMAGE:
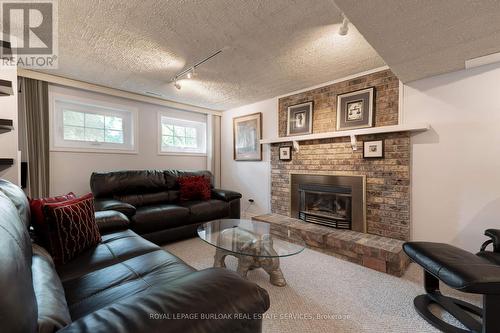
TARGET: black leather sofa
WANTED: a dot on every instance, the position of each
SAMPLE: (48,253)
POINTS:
(150,199)
(464,271)
(125,284)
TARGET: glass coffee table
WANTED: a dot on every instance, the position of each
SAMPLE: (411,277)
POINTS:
(252,244)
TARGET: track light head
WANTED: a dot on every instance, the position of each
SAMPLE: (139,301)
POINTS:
(344,28)
(191,73)
(177,85)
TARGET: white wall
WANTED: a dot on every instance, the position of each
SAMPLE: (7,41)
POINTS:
(9,140)
(70,171)
(456,165)
(251,178)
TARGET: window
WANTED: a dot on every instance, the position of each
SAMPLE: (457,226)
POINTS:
(81,126)
(91,127)
(182,136)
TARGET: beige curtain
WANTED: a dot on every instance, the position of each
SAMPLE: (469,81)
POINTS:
(36,107)
(213,147)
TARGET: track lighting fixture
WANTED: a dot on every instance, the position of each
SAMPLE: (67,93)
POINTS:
(190,72)
(344,28)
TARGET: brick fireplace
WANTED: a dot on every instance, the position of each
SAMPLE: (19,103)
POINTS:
(387,179)
(386,189)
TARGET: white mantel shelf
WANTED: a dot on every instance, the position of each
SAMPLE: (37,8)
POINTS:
(419,127)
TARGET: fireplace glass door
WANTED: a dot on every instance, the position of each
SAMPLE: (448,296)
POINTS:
(327,205)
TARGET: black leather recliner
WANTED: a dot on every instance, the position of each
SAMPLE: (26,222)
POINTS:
(125,284)
(150,198)
(464,271)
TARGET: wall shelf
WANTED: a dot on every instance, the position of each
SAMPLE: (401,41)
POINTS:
(6,162)
(420,127)
(6,125)
(362,131)
(6,88)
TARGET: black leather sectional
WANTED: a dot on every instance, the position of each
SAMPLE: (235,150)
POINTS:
(125,284)
(150,199)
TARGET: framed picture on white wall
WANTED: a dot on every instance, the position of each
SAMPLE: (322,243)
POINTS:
(247,133)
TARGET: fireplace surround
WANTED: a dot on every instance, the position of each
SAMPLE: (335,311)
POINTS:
(331,200)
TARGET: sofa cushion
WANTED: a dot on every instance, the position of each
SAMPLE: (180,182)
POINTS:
(159,217)
(71,227)
(112,204)
(18,302)
(111,220)
(53,313)
(144,199)
(194,188)
(19,199)
(225,195)
(201,211)
(113,183)
(95,290)
(113,248)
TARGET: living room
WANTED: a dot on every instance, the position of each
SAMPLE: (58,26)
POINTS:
(249,166)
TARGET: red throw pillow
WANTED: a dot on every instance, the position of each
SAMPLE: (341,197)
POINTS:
(71,227)
(194,188)
(37,218)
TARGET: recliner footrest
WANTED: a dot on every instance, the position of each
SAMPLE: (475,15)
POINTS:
(455,267)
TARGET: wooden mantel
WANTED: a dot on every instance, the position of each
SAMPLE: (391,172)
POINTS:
(420,127)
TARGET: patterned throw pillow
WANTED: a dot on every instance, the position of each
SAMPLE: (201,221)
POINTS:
(71,227)
(37,217)
(194,188)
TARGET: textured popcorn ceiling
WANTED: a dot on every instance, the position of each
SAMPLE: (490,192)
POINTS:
(273,47)
(421,38)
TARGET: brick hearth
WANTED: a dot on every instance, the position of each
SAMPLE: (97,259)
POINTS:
(380,253)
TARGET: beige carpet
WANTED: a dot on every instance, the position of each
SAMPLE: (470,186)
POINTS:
(327,294)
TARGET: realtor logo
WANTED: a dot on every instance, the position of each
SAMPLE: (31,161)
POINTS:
(31,29)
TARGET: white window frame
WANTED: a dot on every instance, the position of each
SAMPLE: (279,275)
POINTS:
(199,125)
(59,102)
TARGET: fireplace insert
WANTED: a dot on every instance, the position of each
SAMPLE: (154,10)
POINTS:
(328,205)
(331,200)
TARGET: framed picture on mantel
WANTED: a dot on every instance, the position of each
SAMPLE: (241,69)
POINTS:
(247,132)
(299,119)
(355,109)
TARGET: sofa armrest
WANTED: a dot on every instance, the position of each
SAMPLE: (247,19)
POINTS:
(113,204)
(111,220)
(494,234)
(225,195)
(197,302)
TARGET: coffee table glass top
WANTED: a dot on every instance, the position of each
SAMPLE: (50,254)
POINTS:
(251,238)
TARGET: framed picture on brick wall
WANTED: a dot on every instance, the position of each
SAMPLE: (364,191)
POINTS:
(285,153)
(373,149)
(299,119)
(355,109)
